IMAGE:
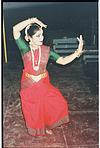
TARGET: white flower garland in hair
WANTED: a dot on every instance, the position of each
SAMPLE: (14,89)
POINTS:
(26,29)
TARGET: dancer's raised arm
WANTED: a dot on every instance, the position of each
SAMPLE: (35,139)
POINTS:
(20,26)
(76,54)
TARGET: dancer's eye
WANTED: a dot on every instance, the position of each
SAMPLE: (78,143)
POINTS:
(38,35)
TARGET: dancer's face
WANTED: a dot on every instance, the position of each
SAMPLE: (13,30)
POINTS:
(37,38)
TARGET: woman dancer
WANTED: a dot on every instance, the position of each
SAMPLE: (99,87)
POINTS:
(43,106)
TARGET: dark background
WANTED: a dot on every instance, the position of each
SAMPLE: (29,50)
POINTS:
(68,18)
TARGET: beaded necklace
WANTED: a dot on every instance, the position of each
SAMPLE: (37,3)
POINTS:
(35,67)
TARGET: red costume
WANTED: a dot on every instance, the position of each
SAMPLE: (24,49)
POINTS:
(43,105)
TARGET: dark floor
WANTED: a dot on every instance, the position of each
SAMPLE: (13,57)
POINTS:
(80,132)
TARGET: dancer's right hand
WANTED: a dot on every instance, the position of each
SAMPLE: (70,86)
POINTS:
(37,21)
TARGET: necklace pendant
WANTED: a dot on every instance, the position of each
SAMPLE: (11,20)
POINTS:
(36,68)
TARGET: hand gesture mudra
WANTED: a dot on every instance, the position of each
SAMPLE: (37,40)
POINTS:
(35,20)
(80,50)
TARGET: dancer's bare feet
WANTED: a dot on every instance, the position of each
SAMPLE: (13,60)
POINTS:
(48,131)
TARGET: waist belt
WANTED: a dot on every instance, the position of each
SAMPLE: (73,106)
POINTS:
(36,78)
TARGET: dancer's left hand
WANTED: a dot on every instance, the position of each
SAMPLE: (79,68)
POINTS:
(80,50)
